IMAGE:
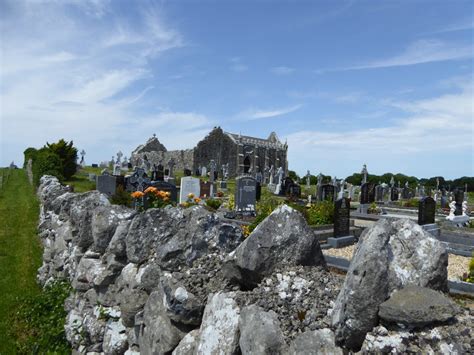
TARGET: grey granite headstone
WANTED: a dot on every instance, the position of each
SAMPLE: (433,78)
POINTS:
(341,224)
(106,184)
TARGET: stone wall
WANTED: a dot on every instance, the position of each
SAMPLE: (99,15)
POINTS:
(183,158)
(184,281)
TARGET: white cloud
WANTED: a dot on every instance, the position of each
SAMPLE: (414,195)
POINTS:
(282,70)
(256,114)
(237,65)
(419,52)
(436,126)
(70,71)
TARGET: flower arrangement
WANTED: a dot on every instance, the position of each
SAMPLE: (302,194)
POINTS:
(155,198)
(245,231)
(191,201)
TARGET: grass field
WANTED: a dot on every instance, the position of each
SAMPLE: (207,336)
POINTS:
(20,251)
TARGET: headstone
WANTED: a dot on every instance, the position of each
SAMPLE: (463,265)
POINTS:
(204,171)
(167,172)
(444,198)
(379,193)
(458,198)
(393,194)
(106,184)
(308,179)
(342,235)
(160,173)
(187,172)
(364,174)
(293,190)
(95,165)
(426,211)
(205,187)
(258,191)
(328,193)
(189,185)
(167,187)
(92,177)
(245,195)
(171,165)
(138,181)
(367,193)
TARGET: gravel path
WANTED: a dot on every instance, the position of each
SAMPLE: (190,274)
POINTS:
(457,265)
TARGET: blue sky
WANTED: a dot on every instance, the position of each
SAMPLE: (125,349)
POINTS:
(383,83)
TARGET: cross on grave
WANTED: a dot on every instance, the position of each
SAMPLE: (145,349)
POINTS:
(308,179)
(171,165)
(119,156)
(139,180)
(213,167)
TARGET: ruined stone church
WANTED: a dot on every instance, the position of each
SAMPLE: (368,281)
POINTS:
(243,154)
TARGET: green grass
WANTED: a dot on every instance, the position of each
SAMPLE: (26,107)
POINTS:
(20,251)
(80,180)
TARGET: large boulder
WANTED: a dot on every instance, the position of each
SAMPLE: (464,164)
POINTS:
(219,332)
(417,306)
(49,189)
(187,345)
(176,236)
(390,255)
(283,237)
(315,342)
(260,332)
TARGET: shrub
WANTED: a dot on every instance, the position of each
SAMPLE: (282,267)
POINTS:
(213,203)
(470,277)
(121,197)
(29,153)
(413,202)
(38,323)
(67,154)
(46,163)
(320,213)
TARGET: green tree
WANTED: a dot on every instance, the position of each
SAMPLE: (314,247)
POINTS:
(47,163)
(67,154)
(29,153)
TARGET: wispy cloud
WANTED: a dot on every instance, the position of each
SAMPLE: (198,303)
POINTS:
(237,65)
(282,70)
(256,114)
(419,52)
(464,25)
(70,71)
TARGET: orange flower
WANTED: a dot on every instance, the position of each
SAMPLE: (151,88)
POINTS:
(137,194)
(191,195)
(150,189)
(166,198)
(197,200)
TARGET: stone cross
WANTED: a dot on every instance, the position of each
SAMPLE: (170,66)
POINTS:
(119,156)
(364,173)
(271,174)
(113,160)
(280,175)
(308,179)
(320,179)
(437,183)
(212,166)
(139,180)
(392,182)
(225,171)
(171,165)
(82,158)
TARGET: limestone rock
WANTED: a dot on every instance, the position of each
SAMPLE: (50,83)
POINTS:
(158,335)
(115,338)
(187,345)
(283,237)
(131,302)
(316,342)
(104,223)
(260,332)
(417,306)
(390,254)
(219,332)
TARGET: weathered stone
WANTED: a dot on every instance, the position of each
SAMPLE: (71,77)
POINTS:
(316,342)
(117,244)
(131,302)
(115,338)
(283,237)
(181,305)
(219,332)
(187,345)
(417,306)
(158,335)
(104,223)
(390,254)
(260,332)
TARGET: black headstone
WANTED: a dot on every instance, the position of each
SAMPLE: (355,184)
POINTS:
(394,194)
(245,195)
(426,211)
(95,165)
(138,181)
(187,172)
(294,191)
(167,172)
(205,189)
(258,191)
(342,217)
(328,192)
(367,193)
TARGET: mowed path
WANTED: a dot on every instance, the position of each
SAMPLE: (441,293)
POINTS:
(20,251)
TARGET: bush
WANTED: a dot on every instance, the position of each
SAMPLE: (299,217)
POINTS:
(29,153)
(320,213)
(213,203)
(121,197)
(470,277)
(413,202)
(46,163)
(38,323)
(67,154)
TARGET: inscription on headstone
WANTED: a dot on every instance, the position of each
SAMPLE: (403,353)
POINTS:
(426,211)
(205,187)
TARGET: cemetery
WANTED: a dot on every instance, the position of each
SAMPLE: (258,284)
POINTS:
(167,261)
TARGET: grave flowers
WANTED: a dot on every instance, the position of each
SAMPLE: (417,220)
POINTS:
(153,197)
(191,201)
